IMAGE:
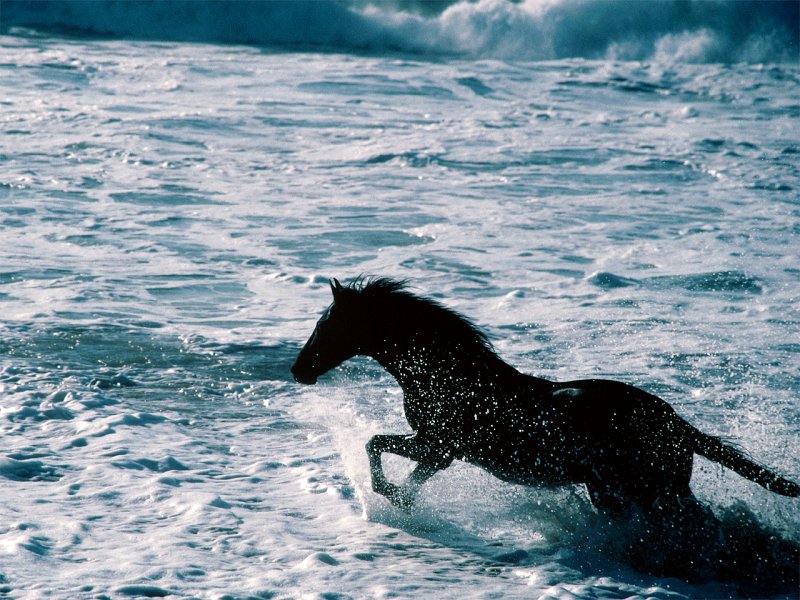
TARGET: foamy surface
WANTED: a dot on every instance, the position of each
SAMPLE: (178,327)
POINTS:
(170,213)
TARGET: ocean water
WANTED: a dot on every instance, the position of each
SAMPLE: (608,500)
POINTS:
(609,189)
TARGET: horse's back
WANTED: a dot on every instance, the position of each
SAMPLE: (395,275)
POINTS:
(607,398)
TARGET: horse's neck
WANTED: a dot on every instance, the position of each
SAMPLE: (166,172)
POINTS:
(424,363)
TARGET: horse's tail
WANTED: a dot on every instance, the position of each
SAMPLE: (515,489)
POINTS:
(715,449)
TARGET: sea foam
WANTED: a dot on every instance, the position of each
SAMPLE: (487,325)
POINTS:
(692,31)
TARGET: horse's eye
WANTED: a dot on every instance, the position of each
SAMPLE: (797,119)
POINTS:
(326,318)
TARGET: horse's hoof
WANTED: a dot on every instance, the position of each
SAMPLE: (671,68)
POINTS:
(399,496)
(403,501)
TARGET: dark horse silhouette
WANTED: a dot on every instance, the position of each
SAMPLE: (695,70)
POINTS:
(629,448)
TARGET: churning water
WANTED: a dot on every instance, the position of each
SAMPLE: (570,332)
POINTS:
(610,189)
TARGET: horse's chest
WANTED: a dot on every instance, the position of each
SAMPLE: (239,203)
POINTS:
(430,414)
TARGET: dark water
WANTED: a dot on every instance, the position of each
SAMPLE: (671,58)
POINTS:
(170,214)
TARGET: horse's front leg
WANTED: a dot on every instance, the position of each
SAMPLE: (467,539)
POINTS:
(429,461)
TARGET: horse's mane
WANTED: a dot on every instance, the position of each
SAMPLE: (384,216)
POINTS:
(393,291)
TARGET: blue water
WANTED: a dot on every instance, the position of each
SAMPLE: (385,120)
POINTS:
(608,192)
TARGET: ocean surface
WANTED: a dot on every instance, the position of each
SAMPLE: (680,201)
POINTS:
(610,189)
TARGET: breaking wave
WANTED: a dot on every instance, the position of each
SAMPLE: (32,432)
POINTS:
(666,31)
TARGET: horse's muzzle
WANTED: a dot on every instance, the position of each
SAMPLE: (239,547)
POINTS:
(305,378)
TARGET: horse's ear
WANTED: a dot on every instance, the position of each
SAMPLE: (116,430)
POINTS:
(336,288)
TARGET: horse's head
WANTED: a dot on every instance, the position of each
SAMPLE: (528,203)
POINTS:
(335,338)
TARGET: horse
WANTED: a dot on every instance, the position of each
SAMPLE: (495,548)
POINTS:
(629,448)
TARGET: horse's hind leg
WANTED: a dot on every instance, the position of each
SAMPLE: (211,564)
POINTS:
(609,497)
(644,470)
(429,461)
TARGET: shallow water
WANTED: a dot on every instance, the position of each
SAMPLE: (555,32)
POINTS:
(170,214)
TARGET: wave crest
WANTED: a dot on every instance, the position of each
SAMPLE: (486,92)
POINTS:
(667,30)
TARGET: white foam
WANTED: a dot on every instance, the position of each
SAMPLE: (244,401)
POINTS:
(695,31)
(170,220)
